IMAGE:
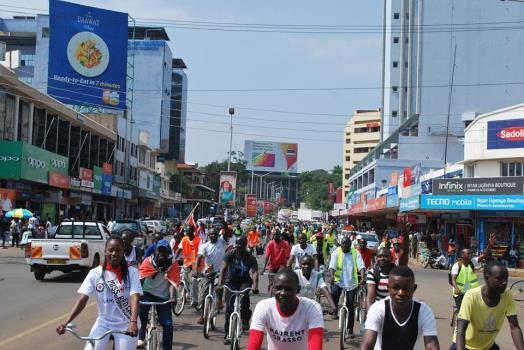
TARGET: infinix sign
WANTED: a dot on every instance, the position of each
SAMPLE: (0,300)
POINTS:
(489,185)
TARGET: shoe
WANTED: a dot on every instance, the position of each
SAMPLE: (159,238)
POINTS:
(140,343)
(220,305)
(226,341)
(200,320)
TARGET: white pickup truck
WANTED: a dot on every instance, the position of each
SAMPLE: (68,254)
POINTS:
(77,246)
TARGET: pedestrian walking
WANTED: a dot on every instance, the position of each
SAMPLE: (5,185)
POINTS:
(15,229)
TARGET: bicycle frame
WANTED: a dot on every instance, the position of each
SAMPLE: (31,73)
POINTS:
(70,327)
(345,308)
(152,312)
(236,310)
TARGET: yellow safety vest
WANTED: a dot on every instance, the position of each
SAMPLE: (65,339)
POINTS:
(340,262)
(466,278)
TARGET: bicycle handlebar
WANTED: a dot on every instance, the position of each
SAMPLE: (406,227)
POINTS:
(235,291)
(154,303)
(70,327)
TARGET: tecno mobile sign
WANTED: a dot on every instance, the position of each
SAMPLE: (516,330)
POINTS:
(503,134)
(488,185)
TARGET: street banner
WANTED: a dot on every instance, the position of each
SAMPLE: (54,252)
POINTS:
(260,207)
(267,207)
(251,205)
(271,156)
(330,190)
(97,179)
(7,199)
(228,188)
(86,178)
(488,185)
(87,55)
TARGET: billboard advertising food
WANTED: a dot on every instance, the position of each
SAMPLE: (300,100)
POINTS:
(228,188)
(251,205)
(504,134)
(87,55)
(271,156)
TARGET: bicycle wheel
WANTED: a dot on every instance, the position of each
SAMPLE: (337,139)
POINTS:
(342,324)
(234,330)
(208,317)
(517,290)
(362,308)
(180,299)
(159,332)
(152,340)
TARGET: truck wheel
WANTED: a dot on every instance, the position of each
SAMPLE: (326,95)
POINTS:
(96,261)
(39,273)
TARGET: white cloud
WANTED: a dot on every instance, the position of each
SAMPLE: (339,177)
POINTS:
(350,55)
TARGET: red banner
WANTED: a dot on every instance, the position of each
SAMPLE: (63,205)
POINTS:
(86,174)
(339,195)
(375,204)
(107,168)
(330,190)
(251,205)
(59,180)
(267,207)
(407,177)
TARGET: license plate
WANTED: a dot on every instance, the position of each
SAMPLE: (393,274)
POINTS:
(56,261)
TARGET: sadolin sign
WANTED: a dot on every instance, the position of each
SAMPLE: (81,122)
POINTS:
(488,186)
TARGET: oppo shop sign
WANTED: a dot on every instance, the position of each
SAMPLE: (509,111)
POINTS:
(20,160)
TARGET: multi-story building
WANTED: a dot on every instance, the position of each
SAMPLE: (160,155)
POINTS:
(425,45)
(194,185)
(177,126)
(361,135)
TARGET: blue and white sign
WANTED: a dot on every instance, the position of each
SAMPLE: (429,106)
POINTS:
(410,203)
(504,134)
(392,190)
(472,202)
(87,55)
(392,201)
(107,182)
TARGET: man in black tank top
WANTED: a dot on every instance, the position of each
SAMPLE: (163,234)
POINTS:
(399,322)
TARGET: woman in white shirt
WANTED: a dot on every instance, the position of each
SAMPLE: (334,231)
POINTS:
(117,290)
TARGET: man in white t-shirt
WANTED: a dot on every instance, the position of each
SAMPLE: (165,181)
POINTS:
(311,282)
(290,322)
(301,249)
(399,321)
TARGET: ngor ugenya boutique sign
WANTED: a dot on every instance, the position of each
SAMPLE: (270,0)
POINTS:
(513,185)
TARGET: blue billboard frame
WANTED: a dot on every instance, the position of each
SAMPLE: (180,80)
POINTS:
(87,55)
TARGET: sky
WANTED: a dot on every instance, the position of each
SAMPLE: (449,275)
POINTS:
(285,87)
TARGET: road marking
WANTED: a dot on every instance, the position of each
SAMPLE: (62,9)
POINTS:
(43,325)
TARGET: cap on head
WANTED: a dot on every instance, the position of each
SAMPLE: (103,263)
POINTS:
(163,244)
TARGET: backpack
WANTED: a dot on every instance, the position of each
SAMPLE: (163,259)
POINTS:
(460,267)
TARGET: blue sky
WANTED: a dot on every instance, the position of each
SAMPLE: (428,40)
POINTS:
(219,60)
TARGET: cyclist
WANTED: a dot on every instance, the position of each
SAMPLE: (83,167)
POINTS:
(300,250)
(400,321)
(320,245)
(331,238)
(159,277)
(157,236)
(213,252)
(132,253)
(366,253)
(253,240)
(346,265)
(377,278)
(290,321)
(483,310)
(463,276)
(277,255)
(312,282)
(189,247)
(117,289)
(241,269)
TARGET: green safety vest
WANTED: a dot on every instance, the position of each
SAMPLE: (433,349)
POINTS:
(340,262)
(466,279)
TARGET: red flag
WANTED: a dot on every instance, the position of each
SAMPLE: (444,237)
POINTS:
(191,221)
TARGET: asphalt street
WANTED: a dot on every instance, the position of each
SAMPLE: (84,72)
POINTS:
(31,310)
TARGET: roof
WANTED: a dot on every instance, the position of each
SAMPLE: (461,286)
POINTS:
(178,63)
(153,33)
(492,113)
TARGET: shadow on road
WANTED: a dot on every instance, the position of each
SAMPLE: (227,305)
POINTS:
(72,277)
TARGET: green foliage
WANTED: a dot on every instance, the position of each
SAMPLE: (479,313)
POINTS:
(314,187)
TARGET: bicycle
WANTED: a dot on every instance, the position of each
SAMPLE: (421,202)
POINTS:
(343,317)
(235,321)
(517,290)
(210,309)
(153,331)
(271,290)
(70,327)
(360,307)
(183,291)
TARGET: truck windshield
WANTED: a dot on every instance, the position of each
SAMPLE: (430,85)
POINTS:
(77,231)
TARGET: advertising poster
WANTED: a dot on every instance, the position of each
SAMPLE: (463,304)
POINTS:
(506,134)
(271,156)
(267,207)
(251,205)
(260,207)
(87,55)
(228,188)
(97,179)
(7,199)
(487,186)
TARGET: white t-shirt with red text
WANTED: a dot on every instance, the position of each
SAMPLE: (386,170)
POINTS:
(109,315)
(287,333)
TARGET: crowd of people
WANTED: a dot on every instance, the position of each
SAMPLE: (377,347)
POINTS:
(19,230)
(303,264)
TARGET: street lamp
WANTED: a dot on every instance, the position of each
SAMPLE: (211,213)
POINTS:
(231,112)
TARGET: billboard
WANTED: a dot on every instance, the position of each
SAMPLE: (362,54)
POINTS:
(472,202)
(488,185)
(251,205)
(504,134)
(228,188)
(87,55)
(271,156)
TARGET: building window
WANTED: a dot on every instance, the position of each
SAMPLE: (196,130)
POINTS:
(348,158)
(406,40)
(361,149)
(395,64)
(406,64)
(346,176)
(394,114)
(407,15)
(511,169)
(27,60)
(45,32)
(394,88)
(395,40)
(470,170)
(396,15)
(348,140)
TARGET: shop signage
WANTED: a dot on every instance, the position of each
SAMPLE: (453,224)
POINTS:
(375,204)
(412,190)
(107,168)
(472,202)
(392,190)
(356,208)
(58,180)
(107,182)
(505,134)
(251,205)
(410,203)
(97,179)
(86,178)
(120,193)
(80,198)
(75,182)
(490,185)
(339,206)
(392,201)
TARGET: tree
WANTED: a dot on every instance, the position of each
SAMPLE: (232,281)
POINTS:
(313,187)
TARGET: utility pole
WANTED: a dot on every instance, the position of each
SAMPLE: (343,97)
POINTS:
(231,112)
(449,110)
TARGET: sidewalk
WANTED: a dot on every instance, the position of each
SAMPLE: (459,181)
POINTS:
(11,252)
(519,273)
